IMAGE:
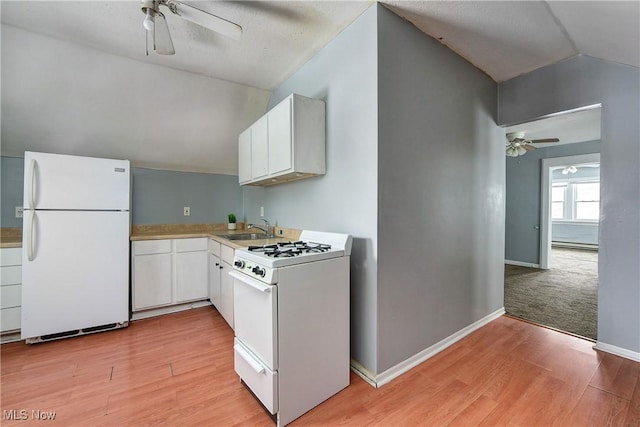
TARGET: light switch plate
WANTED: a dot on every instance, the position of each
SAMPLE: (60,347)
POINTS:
(187,211)
(19,211)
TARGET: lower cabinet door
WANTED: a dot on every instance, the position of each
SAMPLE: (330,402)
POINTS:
(262,381)
(151,281)
(226,294)
(191,276)
(214,280)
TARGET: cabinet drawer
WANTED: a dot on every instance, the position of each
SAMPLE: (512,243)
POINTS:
(10,256)
(226,254)
(10,296)
(10,318)
(146,247)
(11,275)
(262,381)
(191,245)
(214,247)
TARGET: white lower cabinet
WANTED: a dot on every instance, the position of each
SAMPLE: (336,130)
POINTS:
(151,281)
(191,276)
(168,272)
(10,289)
(226,284)
(226,293)
(220,283)
(214,280)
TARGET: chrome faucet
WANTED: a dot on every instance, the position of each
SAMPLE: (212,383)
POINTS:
(266,228)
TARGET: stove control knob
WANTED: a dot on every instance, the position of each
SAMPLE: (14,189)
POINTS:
(258,271)
(239,263)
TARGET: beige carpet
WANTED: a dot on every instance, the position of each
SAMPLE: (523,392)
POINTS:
(564,297)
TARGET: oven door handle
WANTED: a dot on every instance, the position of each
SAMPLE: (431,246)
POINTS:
(250,360)
(251,282)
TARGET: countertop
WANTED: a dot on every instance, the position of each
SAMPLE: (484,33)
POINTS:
(12,237)
(213,231)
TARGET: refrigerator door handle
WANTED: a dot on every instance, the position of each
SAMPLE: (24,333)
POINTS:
(32,216)
(32,184)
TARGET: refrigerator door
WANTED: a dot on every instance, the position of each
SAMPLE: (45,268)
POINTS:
(79,273)
(55,181)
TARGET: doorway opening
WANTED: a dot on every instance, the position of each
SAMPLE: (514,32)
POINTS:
(552,217)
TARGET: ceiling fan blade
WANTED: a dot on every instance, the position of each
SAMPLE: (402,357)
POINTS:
(539,141)
(206,19)
(163,43)
(528,147)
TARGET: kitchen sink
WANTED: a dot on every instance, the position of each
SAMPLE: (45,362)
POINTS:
(247,236)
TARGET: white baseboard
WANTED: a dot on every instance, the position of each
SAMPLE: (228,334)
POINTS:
(139,315)
(521,264)
(363,372)
(395,371)
(618,351)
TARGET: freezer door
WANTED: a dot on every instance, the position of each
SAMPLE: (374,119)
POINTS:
(75,271)
(55,181)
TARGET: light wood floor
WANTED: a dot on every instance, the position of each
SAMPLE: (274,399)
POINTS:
(177,370)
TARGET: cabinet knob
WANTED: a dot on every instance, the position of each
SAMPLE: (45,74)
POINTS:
(221,267)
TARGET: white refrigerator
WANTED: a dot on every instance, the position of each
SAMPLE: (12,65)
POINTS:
(75,251)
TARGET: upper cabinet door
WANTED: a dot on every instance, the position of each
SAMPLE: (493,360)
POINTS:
(244,156)
(260,148)
(280,147)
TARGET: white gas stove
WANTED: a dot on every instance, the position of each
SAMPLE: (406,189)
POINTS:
(262,262)
(291,318)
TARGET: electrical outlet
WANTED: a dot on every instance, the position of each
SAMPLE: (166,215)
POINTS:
(19,211)
(262,211)
(187,211)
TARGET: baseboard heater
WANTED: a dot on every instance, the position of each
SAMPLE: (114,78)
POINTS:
(76,332)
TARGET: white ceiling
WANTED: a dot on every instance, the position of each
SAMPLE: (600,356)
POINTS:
(570,127)
(278,36)
(509,38)
(502,38)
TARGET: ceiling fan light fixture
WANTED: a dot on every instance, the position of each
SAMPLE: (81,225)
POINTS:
(149,21)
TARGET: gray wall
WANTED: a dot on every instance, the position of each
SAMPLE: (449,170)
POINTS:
(584,81)
(440,193)
(158,196)
(522,238)
(11,187)
(343,74)
(574,233)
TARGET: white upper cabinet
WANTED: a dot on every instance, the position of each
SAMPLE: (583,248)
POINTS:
(286,144)
(260,148)
(244,153)
(280,147)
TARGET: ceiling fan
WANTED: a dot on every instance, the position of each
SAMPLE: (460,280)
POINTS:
(156,26)
(518,145)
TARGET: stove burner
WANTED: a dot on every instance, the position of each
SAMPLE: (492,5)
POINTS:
(286,253)
(290,249)
(264,248)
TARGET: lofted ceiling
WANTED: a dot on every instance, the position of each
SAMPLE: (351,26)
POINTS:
(581,125)
(502,38)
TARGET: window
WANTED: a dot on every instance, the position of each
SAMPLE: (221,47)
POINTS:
(558,196)
(575,201)
(587,201)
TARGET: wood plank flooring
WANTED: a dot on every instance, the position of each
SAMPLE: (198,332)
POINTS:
(177,370)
